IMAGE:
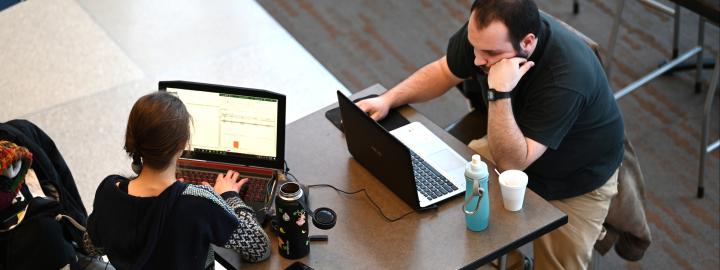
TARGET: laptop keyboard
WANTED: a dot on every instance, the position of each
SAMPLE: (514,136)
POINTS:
(430,182)
(253,193)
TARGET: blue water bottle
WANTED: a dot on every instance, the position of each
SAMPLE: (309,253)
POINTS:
(477,199)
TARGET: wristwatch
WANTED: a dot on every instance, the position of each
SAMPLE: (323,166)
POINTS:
(494,95)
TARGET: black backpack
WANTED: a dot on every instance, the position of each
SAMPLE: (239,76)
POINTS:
(50,235)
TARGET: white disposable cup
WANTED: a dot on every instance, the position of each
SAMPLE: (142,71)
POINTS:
(512,187)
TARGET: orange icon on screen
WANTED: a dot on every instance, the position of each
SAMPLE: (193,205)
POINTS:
(235,144)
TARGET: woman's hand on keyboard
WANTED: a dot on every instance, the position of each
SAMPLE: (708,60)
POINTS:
(227,182)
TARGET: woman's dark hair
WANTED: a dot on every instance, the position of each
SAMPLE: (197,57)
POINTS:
(158,127)
(520,16)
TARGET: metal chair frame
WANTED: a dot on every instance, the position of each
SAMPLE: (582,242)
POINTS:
(697,51)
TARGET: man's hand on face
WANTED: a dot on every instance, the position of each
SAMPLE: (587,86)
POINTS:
(505,74)
(376,107)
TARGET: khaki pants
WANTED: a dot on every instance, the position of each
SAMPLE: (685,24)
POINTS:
(570,246)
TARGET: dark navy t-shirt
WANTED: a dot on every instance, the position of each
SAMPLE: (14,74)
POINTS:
(565,103)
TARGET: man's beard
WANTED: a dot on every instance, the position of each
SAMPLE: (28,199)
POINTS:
(485,69)
(522,54)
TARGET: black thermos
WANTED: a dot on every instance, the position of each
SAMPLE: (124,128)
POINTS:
(291,221)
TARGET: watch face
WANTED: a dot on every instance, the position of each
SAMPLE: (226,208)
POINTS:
(493,95)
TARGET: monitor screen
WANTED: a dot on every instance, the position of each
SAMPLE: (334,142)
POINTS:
(234,125)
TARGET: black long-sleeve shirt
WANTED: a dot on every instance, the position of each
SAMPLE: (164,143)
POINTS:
(182,222)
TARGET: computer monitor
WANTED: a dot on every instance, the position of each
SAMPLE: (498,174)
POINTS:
(233,124)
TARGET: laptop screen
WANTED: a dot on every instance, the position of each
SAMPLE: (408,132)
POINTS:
(232,124)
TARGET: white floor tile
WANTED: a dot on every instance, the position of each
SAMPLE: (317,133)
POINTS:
(52,52)
(162,34)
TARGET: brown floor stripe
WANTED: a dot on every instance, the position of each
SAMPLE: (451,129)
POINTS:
(673,214)
(708,217)
(693,131)
(350,77)
(696,133)
(605,9)
(437,32)
(686,176)
(360,68)
(434,48)
(647,39)
(630,42)
(624,70)
(370,29)
(289,10)
(310,9)
(652,109)
(458,15)
(689,148)
(631,107)
(618,83)
(670,249)
(365,46)
(669,104)
(653,218)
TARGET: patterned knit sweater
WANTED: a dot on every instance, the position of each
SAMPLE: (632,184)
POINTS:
(248,238)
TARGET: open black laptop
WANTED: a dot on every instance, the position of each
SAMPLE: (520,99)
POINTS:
(429,173)
(233,128)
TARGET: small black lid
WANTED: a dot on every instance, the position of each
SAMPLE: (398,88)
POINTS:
(324,218)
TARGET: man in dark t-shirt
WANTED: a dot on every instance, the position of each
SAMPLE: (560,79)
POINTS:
(550,112)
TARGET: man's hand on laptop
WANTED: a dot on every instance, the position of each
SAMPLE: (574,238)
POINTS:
(377,107)
(227,182)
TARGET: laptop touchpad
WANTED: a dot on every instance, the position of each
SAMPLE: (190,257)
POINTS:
(446,160)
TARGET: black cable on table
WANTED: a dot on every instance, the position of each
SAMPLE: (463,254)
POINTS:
(364,191)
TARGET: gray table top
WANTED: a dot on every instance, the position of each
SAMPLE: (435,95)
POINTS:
(316,153)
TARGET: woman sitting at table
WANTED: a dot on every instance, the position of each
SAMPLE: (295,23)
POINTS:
(153,221)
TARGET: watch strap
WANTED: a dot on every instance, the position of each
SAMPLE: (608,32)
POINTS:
(493,95)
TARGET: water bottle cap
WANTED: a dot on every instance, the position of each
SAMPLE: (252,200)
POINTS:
(476,159)
(476,163)
(476,167)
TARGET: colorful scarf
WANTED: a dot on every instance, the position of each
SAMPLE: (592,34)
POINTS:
(14,163)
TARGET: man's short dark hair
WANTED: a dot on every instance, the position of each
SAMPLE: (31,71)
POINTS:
(520,16)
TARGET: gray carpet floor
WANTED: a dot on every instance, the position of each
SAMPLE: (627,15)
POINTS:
(377,41)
